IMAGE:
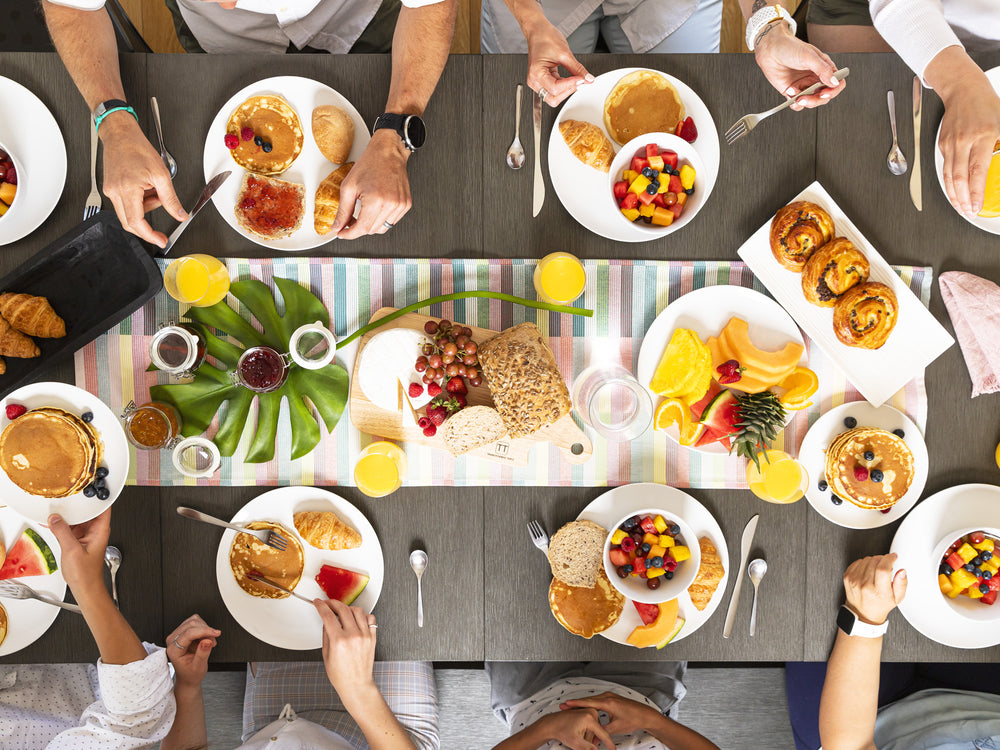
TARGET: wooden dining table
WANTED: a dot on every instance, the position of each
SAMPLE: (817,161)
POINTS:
(485,587)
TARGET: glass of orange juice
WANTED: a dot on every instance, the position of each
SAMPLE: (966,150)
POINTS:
(559,278)
(781,479)
(198,280)
(380,469)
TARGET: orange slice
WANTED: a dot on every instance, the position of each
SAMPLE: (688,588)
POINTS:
(673,411)
(799,385)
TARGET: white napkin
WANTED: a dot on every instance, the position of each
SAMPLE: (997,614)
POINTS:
(974,307)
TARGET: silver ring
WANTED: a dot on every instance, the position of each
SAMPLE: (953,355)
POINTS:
(387,225)
(542,93)
(178,645)
(372,626)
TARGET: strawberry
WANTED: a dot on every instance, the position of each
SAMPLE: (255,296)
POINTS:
(687,130)
(232,141)
(430,431)
(416,390)
(437,415)
(460,398)
(456,385)
(16,410)
(433,389)
(729,372)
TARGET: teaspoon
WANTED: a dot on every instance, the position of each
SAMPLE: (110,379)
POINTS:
(418,561)
(168,161)
(756,571)
(515,154)
(896,160)
(113,559)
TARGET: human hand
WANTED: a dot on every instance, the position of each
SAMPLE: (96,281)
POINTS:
(82,553)
(547,50)
(575,728)
(135,178)
(378,179)
(188,648)
(625,715)
(970,132)
(348,648)
(791,66)
(872,590)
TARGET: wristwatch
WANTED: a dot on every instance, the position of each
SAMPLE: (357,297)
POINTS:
(111,105)
(767,15)
(410,128)
(850,624)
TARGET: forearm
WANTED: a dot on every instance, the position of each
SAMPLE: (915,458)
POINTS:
(530,738)
(85,40)
(677,736)
(380,726)
(951,71)
(420,49)
(189,731)
(115,638)
(849,702)
(528,14)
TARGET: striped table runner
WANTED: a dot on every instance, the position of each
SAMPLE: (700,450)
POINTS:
(625,295)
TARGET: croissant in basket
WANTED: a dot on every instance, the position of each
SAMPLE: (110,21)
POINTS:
(32,315)
(797,231)
(13,343)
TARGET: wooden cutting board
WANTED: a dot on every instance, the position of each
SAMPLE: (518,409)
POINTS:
(573,444)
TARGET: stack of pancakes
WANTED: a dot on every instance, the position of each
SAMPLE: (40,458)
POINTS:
(586,611)
(50,453)
(284,567)
(891,456)
(642,102)
(273,119)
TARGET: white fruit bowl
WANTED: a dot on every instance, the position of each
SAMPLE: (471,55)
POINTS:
(19,197)
(969,609)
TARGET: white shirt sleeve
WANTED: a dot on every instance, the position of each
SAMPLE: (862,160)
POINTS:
(419,3)
(135,707)
(916,29)
(80,4)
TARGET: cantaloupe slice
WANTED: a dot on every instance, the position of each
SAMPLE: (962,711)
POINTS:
(761,369)
(661,631)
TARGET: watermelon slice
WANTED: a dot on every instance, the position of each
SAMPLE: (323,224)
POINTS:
(30,556)
(698,407)
(722,414)
(648,612)
(343,585)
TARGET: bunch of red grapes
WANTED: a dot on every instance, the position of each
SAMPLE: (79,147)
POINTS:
(453,354)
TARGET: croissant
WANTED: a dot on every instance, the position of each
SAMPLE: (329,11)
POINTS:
(13,343)
(710,573)
(328,199)
(3,366)
(588,144)
(32,315)
(325,530)
(797,231)
(865,315)
(832,270)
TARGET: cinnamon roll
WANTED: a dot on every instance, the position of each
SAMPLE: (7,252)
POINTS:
(865,315)
(797,231)
(832,270)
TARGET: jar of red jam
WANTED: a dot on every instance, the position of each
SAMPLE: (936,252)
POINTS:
(152,426)
(261,369)
(177,350)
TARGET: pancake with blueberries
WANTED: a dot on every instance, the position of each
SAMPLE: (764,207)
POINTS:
(275,134)
(869,467)
(50,453)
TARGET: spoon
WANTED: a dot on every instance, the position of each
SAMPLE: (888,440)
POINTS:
(756,571)
(418,561)
(515,154)
(113,559)
(896,160)
(169,162)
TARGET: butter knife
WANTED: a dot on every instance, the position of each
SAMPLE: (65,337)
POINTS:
(745,545)
(915,193)
(205,197)
(539,195)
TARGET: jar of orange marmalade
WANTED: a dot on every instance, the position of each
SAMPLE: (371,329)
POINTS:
(152,426)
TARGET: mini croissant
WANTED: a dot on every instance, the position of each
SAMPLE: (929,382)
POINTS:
(13,343)
(588,143)
(32,315)
(328,199)
(325,530)
(709,575)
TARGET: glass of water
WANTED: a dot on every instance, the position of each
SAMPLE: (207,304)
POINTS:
(612,402)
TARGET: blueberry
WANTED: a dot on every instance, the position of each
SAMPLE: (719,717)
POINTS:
(822,485)
(102,471)
(984,588)
(986,555)
(850,423)
(89,491)
(977,561)
(899,433)
(689,191)
(869,455)
(648,172)
(645,548)
(87,416)
(100,484)
(266,148)
(651,188)
(628,568)
(622,573)
(986,575)
(876,475)
(945,569)
(657,562)
(654,583)
(103,494)
(630,523)
(674,529)
(668,575)
(835,500)
(977,572)
(671,170)
(969,567)
(258,141)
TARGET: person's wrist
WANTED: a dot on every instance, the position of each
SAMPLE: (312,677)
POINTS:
(952,74)
(118,124)
(187,687)
(89,592)
(867,618)
(771,34)
(387,141)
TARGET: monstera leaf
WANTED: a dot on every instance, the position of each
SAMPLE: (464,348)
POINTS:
(324,390)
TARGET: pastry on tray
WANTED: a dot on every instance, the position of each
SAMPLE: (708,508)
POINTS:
(333,131)
(832,270)
(265,133)
(32,315)
(865,315)
(588,143)
(328,199)
(576,553)
(325,530)
(710,573)
(586,611)
(870,467)
(797,231)
(249,554)
(13,343)
(642,102)
(269,208)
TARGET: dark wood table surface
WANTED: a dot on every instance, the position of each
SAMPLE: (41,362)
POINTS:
(485,589)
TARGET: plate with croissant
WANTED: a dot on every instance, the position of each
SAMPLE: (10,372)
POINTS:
(323,529)
(844,295)
(597,120)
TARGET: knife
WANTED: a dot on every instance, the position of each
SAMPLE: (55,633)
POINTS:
(205,196)
(745,545)
(539,195)
(915,193)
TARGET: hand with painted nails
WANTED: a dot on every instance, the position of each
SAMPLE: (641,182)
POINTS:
(547,50)
(188,649)
(792,65)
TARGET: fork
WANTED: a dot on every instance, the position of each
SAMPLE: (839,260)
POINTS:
(267,536)
(748,122)
(538,536)
(253,575)
(93,204)
(18,590)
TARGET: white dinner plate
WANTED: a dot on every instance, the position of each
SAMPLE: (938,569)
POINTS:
(27,619)
(706,312)
(584,191)
(613,504)
(30,131)
(924,606)
(812,455)
(990,225)
(309,169)
(291,623)
(75,508)
(916,341)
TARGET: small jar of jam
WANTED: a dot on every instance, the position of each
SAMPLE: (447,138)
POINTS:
(152,426)
(177,350)
(261,369)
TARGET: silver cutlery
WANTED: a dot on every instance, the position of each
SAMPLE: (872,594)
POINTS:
(748,122)
(17,590)
(916,193)
(538,198)
(205,197)
(538,536)
(93,204)
(267,536)
(418,561)
(745,544)
(756,572)
(515,154)
(113,559)
(253,575)
(895,159)
(168,161)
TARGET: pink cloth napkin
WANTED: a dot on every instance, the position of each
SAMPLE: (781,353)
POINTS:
(974,307)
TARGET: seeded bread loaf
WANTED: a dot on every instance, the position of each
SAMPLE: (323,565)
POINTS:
(521,373)
(471,428)
(576,553)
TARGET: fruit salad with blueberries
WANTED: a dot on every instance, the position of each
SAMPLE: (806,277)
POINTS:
(648,547)
(654,188)
(970,568)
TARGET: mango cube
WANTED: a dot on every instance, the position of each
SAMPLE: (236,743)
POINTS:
(687,176)
(967,551)
(639,185)
(617,537)
(680,553)
(654,572)
(660,524)
(630,213)
(666,541)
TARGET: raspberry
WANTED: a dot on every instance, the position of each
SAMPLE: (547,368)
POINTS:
(246,134)
(430,431)
(423,423)
(416,390)
(860,473)
(16,410)
(11,175)
(232,141)
(433,389)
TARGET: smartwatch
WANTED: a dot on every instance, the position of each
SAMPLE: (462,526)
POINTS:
(850,624)
(767,15)
(410,128)
(111,105)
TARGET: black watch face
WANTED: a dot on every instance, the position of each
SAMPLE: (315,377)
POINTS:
(845,620)
(415,131)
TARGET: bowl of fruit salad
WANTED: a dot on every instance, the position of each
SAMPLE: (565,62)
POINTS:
(655,183)
(968,572)
(651,556)
(10,173)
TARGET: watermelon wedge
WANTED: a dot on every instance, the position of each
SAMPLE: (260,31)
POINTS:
(343,585)
(647,612)
(30,556)
(698,407)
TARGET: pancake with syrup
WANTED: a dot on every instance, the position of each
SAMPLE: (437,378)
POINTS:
(586,611)
(273,119)
(642,102)
(284,567)
(889,455)
(50,453)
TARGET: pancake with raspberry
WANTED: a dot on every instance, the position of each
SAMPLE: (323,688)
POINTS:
(272,120)
(870,467)
(270,208)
